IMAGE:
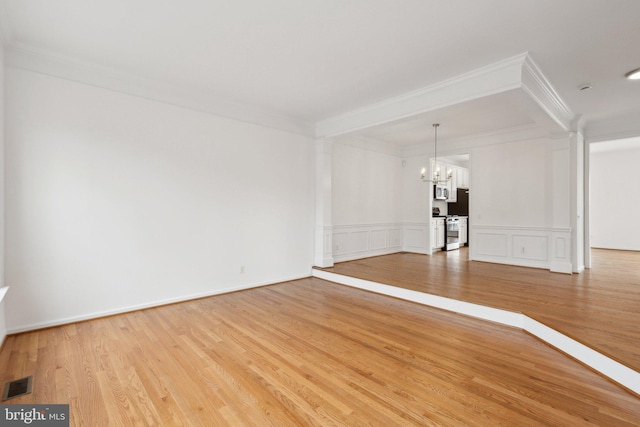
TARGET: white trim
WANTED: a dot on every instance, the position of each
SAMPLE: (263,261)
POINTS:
(537,247)
(416,237)
(489,80)
(608,367)
(538,87)
(55,65)
(518,72)
(323,252)
(464,144)
(157,303)
(587,205)
(358,241)
(610,132)
(475,310)
(375,224)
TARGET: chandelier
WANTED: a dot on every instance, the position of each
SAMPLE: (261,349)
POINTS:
(436,170)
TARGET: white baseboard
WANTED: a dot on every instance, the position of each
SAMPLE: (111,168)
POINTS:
(157,303)
(484,312)
(606,366)
(561,267)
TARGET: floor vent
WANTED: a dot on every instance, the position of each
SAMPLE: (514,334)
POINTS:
(17,388)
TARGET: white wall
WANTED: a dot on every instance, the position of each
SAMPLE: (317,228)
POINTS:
(366,186)
(614,178)
(115,202)
(520,199)
(3,327)
(2,132)
(521,203)
(518,183)
(366,200)
(416,215)
(415,192)
(509,184)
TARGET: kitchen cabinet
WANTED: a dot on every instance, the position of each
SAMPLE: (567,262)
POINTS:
(452,185)
(459,178)
(463,177)
(437,233)
(433,233)
(464,230)
(442,171)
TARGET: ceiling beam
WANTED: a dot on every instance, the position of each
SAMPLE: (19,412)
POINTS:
(518,72)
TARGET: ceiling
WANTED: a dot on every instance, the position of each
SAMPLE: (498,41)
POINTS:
(619,144)
(505,110)
(315,59)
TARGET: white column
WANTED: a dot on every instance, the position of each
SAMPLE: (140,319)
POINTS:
(577,201)
(587,205)
(324,230)
(559,210)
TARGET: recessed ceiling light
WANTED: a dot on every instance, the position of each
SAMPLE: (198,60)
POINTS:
(585,86)
(633,74)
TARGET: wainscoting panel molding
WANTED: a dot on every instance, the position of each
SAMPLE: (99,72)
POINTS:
(537,247)
(527,246)
(324,245)
(364,240)
(415,237)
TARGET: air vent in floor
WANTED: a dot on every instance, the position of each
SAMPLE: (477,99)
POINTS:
(17,388)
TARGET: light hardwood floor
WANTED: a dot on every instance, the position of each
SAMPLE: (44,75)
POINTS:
(308,352)
(599,307)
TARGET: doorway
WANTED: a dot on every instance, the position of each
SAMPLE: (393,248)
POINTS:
(457,169)
(613,177)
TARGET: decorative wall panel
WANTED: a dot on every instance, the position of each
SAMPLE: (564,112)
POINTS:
(527,246)
(365,240)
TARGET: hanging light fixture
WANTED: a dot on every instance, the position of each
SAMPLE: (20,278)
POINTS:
(436,172)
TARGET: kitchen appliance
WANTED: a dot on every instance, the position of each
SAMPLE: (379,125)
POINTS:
(461,207)
(440,192)
(452,238)
(435,211)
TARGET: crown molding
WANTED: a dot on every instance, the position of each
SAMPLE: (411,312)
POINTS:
(538,87)
(613,135)
(35,60)
(624,144)
(518,72)
(611,130)
(466,143)
(489,80)
(370,144)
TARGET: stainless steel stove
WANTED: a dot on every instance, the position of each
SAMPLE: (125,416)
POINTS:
(452,237)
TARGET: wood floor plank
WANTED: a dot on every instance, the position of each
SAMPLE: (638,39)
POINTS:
(308,352)
(599,307)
